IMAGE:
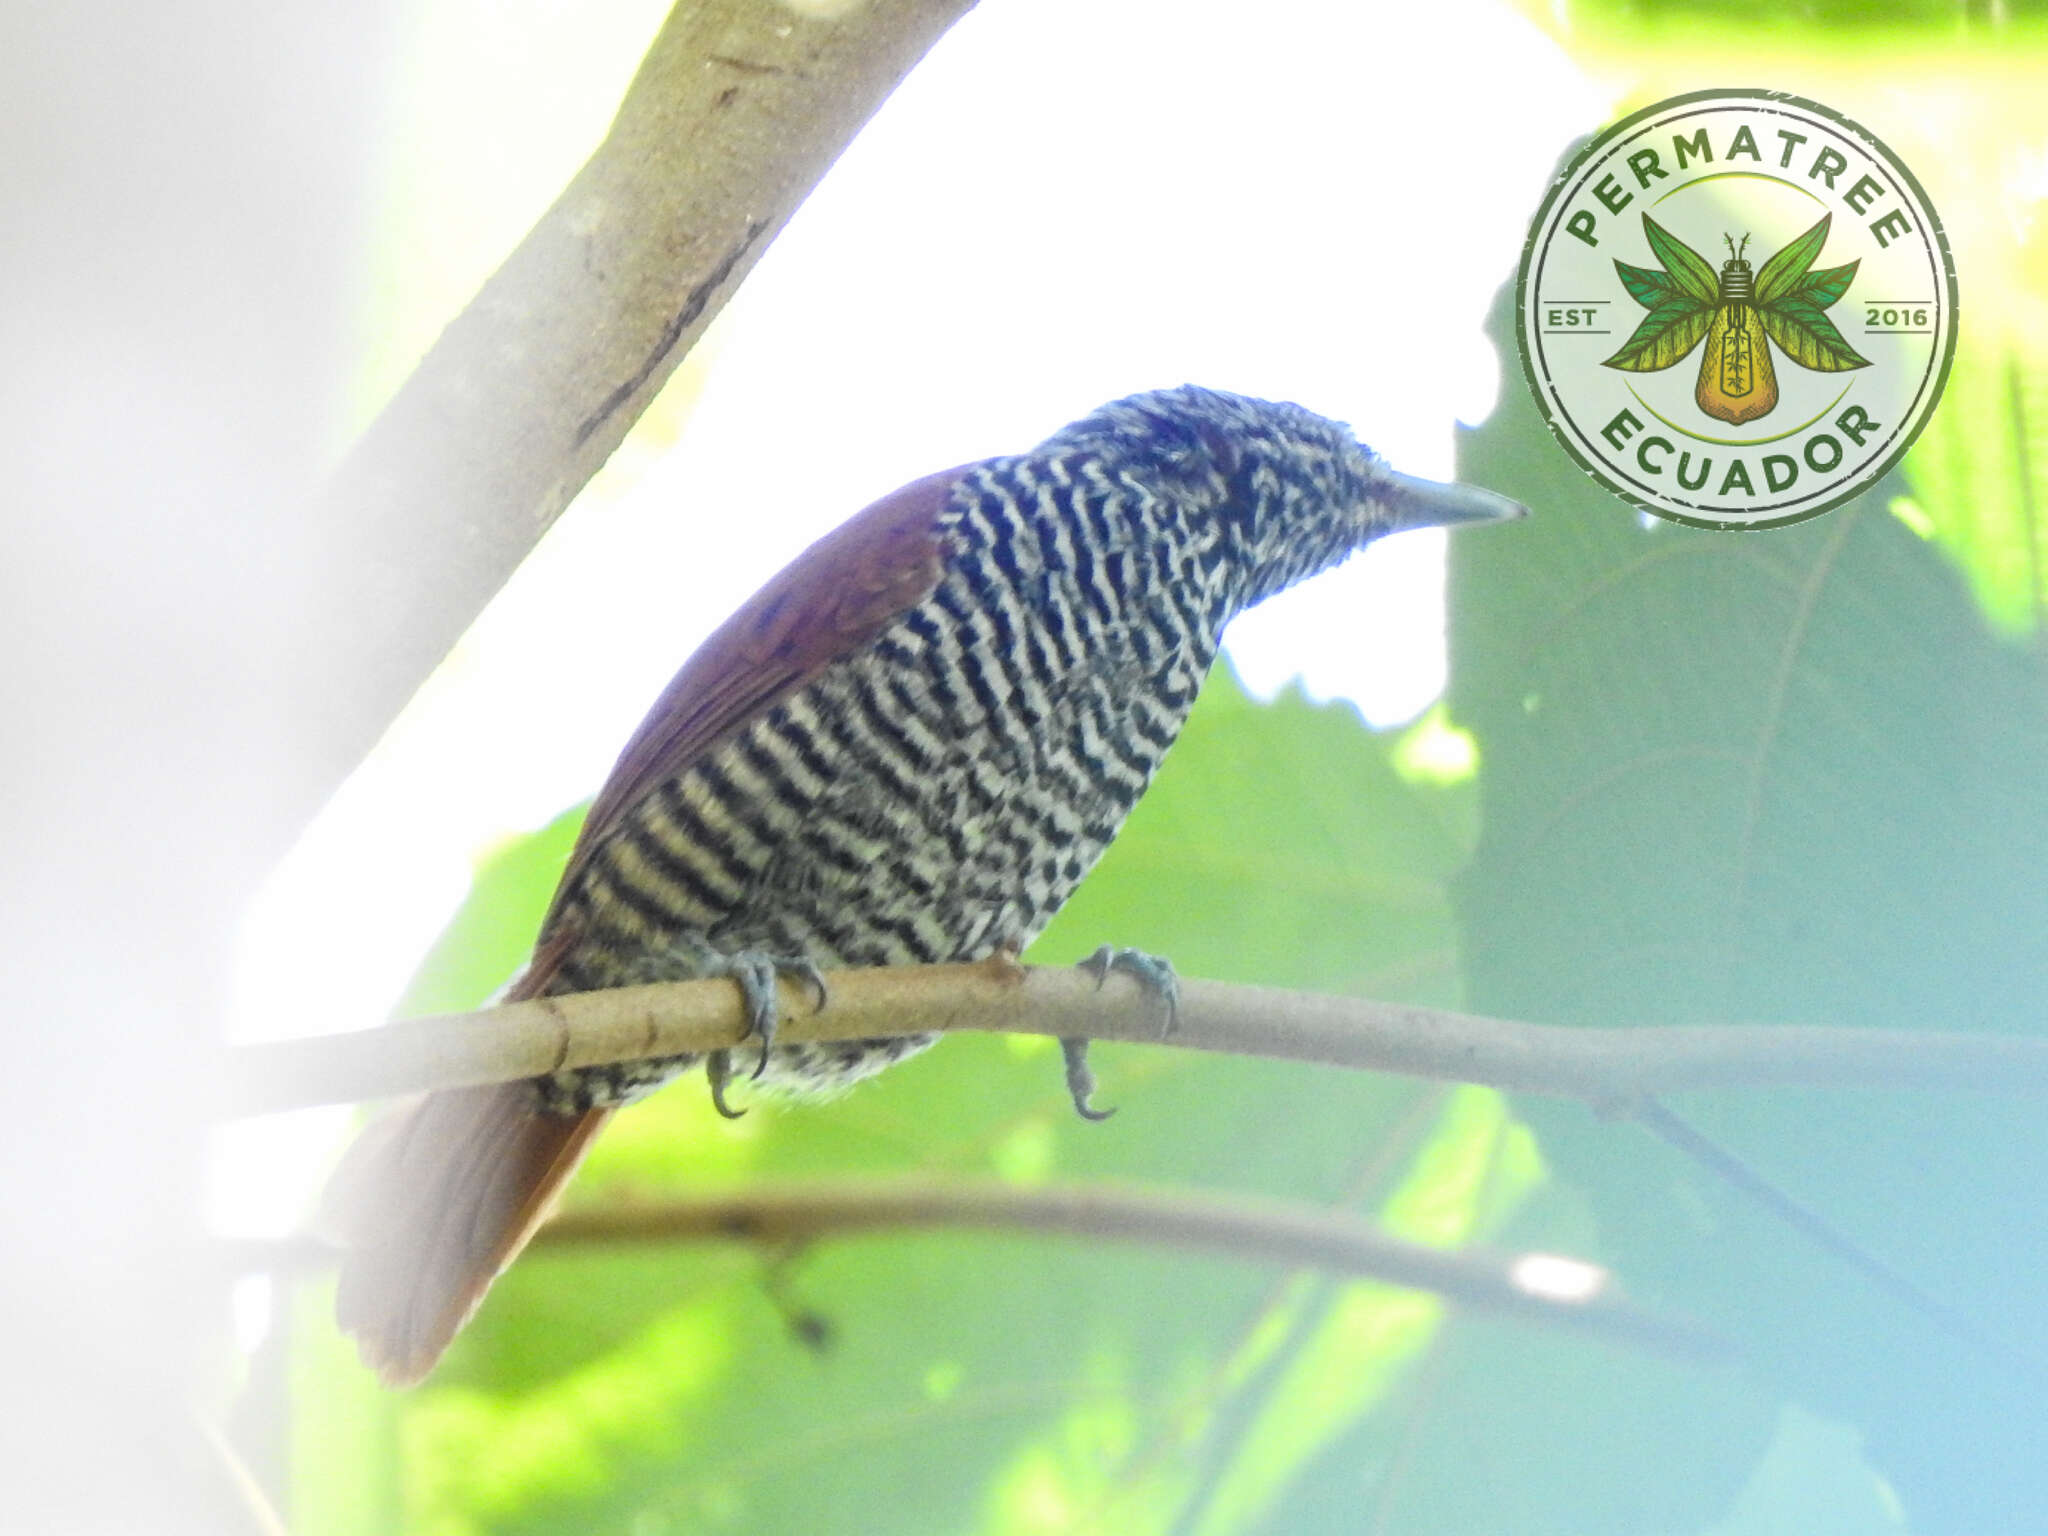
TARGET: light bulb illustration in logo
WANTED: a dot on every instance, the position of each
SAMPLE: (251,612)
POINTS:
(1740,314)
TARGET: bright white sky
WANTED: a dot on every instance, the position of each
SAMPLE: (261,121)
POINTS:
(1069,200)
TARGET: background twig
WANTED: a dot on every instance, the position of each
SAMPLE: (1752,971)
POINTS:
(1539,1287)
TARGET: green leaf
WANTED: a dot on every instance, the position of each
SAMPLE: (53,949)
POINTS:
(1778,778)
(1824,287)
(1691,271)
(1810,338)
(1781,274)
(1648,286)
(1665,335)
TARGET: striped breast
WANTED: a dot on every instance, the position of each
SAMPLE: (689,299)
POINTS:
(933,794)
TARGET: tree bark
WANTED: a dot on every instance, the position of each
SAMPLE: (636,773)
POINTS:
(737,112)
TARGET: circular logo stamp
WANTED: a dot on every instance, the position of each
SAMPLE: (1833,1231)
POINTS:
(1737,309)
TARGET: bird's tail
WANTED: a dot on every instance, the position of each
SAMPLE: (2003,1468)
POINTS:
(431,1203)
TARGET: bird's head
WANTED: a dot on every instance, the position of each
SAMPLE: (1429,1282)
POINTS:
(1286,493)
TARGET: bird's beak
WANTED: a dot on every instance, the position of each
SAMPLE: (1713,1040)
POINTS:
(1431,504)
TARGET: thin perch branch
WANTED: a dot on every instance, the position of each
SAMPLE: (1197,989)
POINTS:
(1612,1069)
(1539,1287)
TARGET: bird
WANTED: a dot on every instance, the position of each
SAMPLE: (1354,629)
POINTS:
(907,748)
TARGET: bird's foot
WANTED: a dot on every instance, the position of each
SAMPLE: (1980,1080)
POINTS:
(1154,972)
(757,971)
(1157,976)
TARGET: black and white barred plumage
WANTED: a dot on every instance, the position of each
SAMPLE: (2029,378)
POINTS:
(942,791)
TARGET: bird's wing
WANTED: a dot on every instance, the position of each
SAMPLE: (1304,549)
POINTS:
(834,598)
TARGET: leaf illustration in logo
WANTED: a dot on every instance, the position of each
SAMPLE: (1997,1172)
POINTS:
(1693,273)
(1648,286)
(1809,337)
(1783,272)
(1825,286)
(1666,334)
(1678,311)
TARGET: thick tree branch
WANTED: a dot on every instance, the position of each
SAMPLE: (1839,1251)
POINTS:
(736,113)
(1540,1287)
(1610,1069)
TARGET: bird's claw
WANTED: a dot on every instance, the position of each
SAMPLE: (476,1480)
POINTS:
(718,1072)
(1081,1080)
(757,972)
